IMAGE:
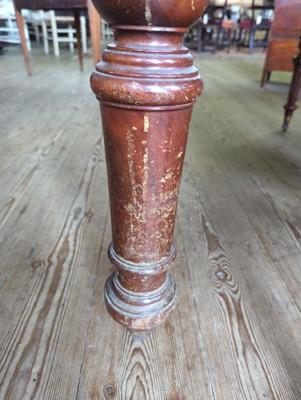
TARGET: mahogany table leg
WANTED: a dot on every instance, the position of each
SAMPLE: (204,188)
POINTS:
(20,23)
(95,32)
(290,106)
(146,85)
(79,39)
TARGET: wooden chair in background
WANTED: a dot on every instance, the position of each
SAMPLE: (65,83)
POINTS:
(210,27)
(248,29)
(258,24)
(283,39)
(55,28)
(227,34)
(106,32)
(36,25)
(61,28)
(9,32)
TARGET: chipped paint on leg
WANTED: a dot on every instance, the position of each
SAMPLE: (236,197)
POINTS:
(148,13)
(146,123)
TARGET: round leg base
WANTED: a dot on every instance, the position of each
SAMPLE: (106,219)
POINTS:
(140,312)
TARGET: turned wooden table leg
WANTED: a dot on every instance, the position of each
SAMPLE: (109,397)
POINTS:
(290,106)
(146,85)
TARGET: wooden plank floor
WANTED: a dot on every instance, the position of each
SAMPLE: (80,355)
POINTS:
(236,332)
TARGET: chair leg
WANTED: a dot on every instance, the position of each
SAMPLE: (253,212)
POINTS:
(36,33)
(238,43)
(265,40)
(83,29)
(70,37)
(263,77)
(251,41)
(216,42)
(56,48)
(79,41)
(95,30)
(229,37)
(44,33)
(26,33)
(199,33)
(295,86)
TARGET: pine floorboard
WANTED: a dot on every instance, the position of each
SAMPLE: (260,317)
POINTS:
(236,331)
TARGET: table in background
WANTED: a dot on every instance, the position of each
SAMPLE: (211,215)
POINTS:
(74,6)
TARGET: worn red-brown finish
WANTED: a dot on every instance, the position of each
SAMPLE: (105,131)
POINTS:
(146,85)
(295,85)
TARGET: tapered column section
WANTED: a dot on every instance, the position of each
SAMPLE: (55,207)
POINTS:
(146,85)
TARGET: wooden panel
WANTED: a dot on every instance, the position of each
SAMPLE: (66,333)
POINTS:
(287,19)
(283,40)
(280,53)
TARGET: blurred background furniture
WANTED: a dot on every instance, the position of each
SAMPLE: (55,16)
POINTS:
(295,85)
(35,22)
(106,32)
(209,27)
(227,33)
(214,30)
(61,29)
(244,23)
(76,7)
(283,39)
(55,27)
(9,32)
(254,25)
